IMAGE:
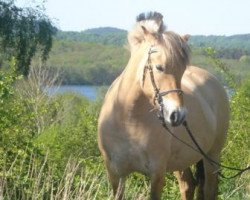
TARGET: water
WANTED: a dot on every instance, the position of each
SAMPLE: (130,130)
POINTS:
(91,91)
(86,90)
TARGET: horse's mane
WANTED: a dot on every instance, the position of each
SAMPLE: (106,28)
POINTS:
(152,21)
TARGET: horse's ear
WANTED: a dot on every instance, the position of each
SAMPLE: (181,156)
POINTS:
(186,37)
(136,36)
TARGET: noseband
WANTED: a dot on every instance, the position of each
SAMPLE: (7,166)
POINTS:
(158,94)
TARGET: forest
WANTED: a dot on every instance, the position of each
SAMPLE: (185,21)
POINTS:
(97,56)
(48,143)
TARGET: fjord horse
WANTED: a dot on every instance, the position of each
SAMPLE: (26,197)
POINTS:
(131,137)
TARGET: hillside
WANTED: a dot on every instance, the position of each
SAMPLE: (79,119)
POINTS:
(87,63)
(234,41)
(115,36)
(97,56)
(233,46)
(104,35)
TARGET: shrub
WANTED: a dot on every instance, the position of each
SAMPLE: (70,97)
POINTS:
(236,152)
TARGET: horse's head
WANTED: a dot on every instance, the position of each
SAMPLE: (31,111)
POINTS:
(162,57)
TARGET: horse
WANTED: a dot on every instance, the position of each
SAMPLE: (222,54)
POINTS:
(158,76)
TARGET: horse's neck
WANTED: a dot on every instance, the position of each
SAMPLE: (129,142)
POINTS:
(130,95)
(129,89)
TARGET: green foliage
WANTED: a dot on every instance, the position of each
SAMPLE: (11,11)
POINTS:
(85,60)
(231,47)
(16,133)
(10,112)
(74,134)
(7,78)
(24,31)
(236,152)
(88,63)
(106,36)
(230,79)
(34,160)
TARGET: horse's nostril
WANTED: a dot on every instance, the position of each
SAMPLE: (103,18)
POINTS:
(177,117)
(174,118)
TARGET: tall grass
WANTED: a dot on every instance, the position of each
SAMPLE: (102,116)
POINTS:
(77,182)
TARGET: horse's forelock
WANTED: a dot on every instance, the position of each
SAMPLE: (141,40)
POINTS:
(177,48)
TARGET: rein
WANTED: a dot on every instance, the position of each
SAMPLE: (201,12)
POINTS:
(211,161)
(158,97)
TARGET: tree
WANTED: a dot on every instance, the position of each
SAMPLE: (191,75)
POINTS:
(24,31)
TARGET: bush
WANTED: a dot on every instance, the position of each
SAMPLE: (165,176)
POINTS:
(74,134)
(236,152)
(16,134)
(34,160)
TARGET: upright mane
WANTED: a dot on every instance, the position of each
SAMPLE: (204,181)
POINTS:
(177,49)
(152,22)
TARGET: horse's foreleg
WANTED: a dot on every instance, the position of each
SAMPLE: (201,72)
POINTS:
(118,191)
(117,182)
(157,184)
(200,179)
(186,183)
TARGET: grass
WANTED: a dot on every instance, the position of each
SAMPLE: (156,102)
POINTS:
(80,181)
(77,182)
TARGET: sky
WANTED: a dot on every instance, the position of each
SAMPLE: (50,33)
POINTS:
(194,17)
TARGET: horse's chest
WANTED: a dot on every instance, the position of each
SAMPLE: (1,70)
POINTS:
(129,156)
(139,152)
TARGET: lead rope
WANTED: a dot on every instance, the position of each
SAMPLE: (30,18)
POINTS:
(240,171)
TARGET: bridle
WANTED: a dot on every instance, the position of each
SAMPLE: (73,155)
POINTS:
(157,93)
(158,97)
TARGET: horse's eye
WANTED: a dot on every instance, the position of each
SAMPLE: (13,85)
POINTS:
(159,68)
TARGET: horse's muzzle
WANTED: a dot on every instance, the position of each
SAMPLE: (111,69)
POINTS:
(173,114)
(177,117)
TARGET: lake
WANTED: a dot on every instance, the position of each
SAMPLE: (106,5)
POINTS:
(88,91)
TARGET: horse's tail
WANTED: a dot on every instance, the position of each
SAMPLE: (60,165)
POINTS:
(200,179)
